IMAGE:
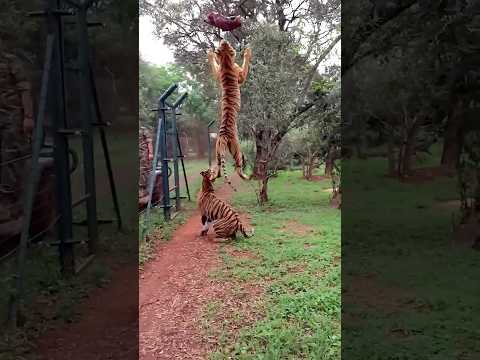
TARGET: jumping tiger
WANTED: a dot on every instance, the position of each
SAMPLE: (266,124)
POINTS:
(230,76)
(226,221)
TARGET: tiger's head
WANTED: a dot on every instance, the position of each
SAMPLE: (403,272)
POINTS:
(207,183)
(225,50)
(206,173)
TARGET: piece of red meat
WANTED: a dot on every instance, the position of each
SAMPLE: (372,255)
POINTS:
(222,22)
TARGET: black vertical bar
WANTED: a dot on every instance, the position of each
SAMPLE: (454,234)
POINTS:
(61,156)
(209,144)
(183,167)
(176,149)
(31,186)
(87,139)
(175,159)
(106,154)
(164,157)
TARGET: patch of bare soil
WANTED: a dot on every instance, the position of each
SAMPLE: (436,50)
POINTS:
(450,204)
(317,178)
(427,174)
(296,228)
(296,269)
(174,289)
(242,254)
(237,307)
(366,291)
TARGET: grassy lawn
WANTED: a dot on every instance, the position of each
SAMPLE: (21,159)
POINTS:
(160,230)
(287,281)
(409,293)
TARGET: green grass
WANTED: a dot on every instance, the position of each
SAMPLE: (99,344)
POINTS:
(161,230)
(397,235)
(295,260)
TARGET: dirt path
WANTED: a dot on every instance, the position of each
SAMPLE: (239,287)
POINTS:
(173,289)
(108,327)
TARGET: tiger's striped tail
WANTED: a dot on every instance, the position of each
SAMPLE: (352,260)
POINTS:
(241,174)
(227,179)
(221,151)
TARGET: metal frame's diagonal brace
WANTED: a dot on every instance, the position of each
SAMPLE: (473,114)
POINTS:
(158,141)
(176,149)
(103,138)
(31,186)
(165,169)
(209,143)
(183,166)
(61,146)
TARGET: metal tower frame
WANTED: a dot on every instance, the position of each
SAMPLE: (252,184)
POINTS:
(53,97)
(167,130)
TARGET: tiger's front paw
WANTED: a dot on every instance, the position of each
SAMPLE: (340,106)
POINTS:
(211,56)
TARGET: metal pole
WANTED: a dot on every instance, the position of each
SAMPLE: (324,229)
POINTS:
(106,154)
(183,167)
(164,157)
(86,114)
(175,146)
(61,155)
(209,144)
(31,186)
(153,174)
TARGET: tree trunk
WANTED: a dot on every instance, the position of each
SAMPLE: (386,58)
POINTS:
(391,155)
(329,163)
(305,169)
(453,138)
(409,149)
(261,163)
(266,146)
(310,167)
(266,143)
(263,196)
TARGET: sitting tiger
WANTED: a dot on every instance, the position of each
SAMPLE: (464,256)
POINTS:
(230,76)
(226,221)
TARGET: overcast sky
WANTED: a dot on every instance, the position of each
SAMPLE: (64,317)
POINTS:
(153,50)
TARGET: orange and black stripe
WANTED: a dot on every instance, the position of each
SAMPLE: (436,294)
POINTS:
(230,106)
(226,221)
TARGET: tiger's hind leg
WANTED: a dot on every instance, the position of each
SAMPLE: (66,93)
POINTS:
(224,229)
(220,148)
(206,225)
(234,148)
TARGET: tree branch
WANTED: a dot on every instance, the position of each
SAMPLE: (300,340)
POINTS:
(309,79)
(366,31)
